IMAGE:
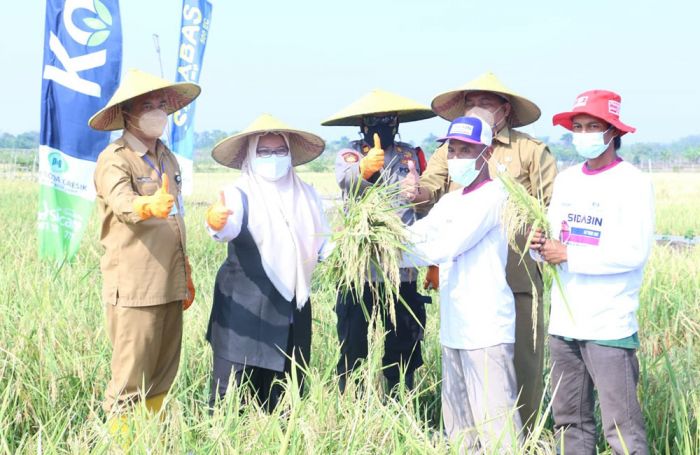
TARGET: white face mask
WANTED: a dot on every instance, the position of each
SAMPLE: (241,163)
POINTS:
(590,145)
(151,123)
(273,167)
(463,170)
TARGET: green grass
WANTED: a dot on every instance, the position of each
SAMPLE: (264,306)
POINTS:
(54,354)
(677,207)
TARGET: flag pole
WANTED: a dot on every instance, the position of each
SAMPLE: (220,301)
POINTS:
(156,44)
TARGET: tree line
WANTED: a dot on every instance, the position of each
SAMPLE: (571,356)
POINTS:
(679,153)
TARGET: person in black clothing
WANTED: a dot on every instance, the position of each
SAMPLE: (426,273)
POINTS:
(260,322)
(379,159)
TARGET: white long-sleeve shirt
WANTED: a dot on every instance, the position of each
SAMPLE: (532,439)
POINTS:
(234,223)
(463,235)
(606,219)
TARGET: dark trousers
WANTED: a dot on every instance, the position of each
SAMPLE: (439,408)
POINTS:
(266,385)
(577,368)
(402,344)
(529,359)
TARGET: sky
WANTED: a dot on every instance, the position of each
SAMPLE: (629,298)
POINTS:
(304,60)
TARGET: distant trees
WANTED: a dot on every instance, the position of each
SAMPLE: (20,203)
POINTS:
(682,152)
(28,140)
(678,153)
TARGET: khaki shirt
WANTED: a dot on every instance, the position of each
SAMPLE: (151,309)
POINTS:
(527,160)
(144,260)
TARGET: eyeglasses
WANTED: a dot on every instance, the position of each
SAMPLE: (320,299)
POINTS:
(374,120)
(266,153)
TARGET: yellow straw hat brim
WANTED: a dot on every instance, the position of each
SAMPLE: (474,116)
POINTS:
(451,104)
(134,84)
(378,102)
(303,146)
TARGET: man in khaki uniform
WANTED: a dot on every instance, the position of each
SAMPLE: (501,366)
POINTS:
(145,270)
(529,161)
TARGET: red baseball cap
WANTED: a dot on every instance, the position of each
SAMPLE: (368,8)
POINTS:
(601,104)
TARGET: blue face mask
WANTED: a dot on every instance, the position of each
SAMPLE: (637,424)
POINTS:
(590,145)
(463,170)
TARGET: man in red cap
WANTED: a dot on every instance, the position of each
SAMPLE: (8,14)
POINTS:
(601,221)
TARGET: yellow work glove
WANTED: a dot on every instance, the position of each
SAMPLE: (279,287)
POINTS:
(190,285)
(217,213)
(159,204)
(432,278)
(373,161)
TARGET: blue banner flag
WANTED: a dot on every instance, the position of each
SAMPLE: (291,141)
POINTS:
(194,30)
(82,64)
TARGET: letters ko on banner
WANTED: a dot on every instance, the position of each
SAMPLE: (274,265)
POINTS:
(81,69)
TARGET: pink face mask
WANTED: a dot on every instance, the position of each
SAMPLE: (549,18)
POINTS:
(151,123)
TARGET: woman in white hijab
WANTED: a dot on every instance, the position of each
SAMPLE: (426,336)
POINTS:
(276,233)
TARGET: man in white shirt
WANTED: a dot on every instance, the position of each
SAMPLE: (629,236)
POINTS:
(602,223)
(463,235)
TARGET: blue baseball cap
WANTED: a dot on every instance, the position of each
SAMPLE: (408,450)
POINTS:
(469,129)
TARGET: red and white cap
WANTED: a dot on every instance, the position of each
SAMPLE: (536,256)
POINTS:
(601,104)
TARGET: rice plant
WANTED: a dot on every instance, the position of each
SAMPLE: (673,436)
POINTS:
(54,357)
(369,239)
(523,215)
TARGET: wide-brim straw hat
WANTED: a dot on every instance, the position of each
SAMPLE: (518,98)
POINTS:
(303,146)
(378,102)
(450,105)
(134,84)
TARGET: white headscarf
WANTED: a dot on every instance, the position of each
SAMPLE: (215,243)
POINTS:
(286,223)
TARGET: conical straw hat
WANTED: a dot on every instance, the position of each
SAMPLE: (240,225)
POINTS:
(379,102)
(303,146)
(136,83)
(450,105)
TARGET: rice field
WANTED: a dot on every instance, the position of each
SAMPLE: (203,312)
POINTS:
(54,354)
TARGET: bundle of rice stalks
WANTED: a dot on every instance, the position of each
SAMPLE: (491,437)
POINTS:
(369,239)
(524,214)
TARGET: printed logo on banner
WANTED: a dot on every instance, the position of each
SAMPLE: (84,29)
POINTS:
(100,29)
(56,163)
(61,221)
(80,71)
(194,31)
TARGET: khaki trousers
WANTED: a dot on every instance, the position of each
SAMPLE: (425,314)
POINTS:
(146,345)
(529,359)
(478,398)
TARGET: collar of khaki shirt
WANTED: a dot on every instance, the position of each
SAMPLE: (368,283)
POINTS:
(139,147)
(503,135)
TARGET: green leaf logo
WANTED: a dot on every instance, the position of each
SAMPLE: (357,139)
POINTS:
(100,24)
(98,38)
(102,12)
(94,23)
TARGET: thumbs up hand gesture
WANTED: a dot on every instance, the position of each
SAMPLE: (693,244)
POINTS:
(409,184)
(162,200)
(159,204)
(374,160)
(217,213)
